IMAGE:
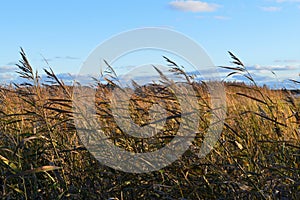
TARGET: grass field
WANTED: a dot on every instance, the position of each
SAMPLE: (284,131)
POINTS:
(42,157)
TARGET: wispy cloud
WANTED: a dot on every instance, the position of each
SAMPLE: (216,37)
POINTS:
(200,17)
(273,67)
(67,57)
(11,63)
(219,17)
(261,80)
(291,1)
(287,61)
(60,58)
(193,6)
(7,69)
(6,76)
(271,9)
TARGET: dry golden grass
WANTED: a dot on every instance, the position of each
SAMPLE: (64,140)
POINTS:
(41,156)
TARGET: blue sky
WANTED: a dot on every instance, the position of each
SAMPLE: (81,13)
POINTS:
(265,34)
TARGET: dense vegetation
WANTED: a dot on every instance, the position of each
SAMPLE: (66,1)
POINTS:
(41,156)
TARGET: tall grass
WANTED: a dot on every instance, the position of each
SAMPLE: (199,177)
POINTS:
(41,156)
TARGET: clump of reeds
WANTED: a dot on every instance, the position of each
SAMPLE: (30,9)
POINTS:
(41,156)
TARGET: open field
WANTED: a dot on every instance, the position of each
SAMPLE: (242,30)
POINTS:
(42,157)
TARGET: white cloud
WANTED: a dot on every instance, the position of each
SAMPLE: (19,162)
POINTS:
(193,6)
(271,9)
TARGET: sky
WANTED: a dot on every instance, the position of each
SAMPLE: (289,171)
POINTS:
(264,34)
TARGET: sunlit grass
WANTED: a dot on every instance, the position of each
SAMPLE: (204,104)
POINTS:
(41,156)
